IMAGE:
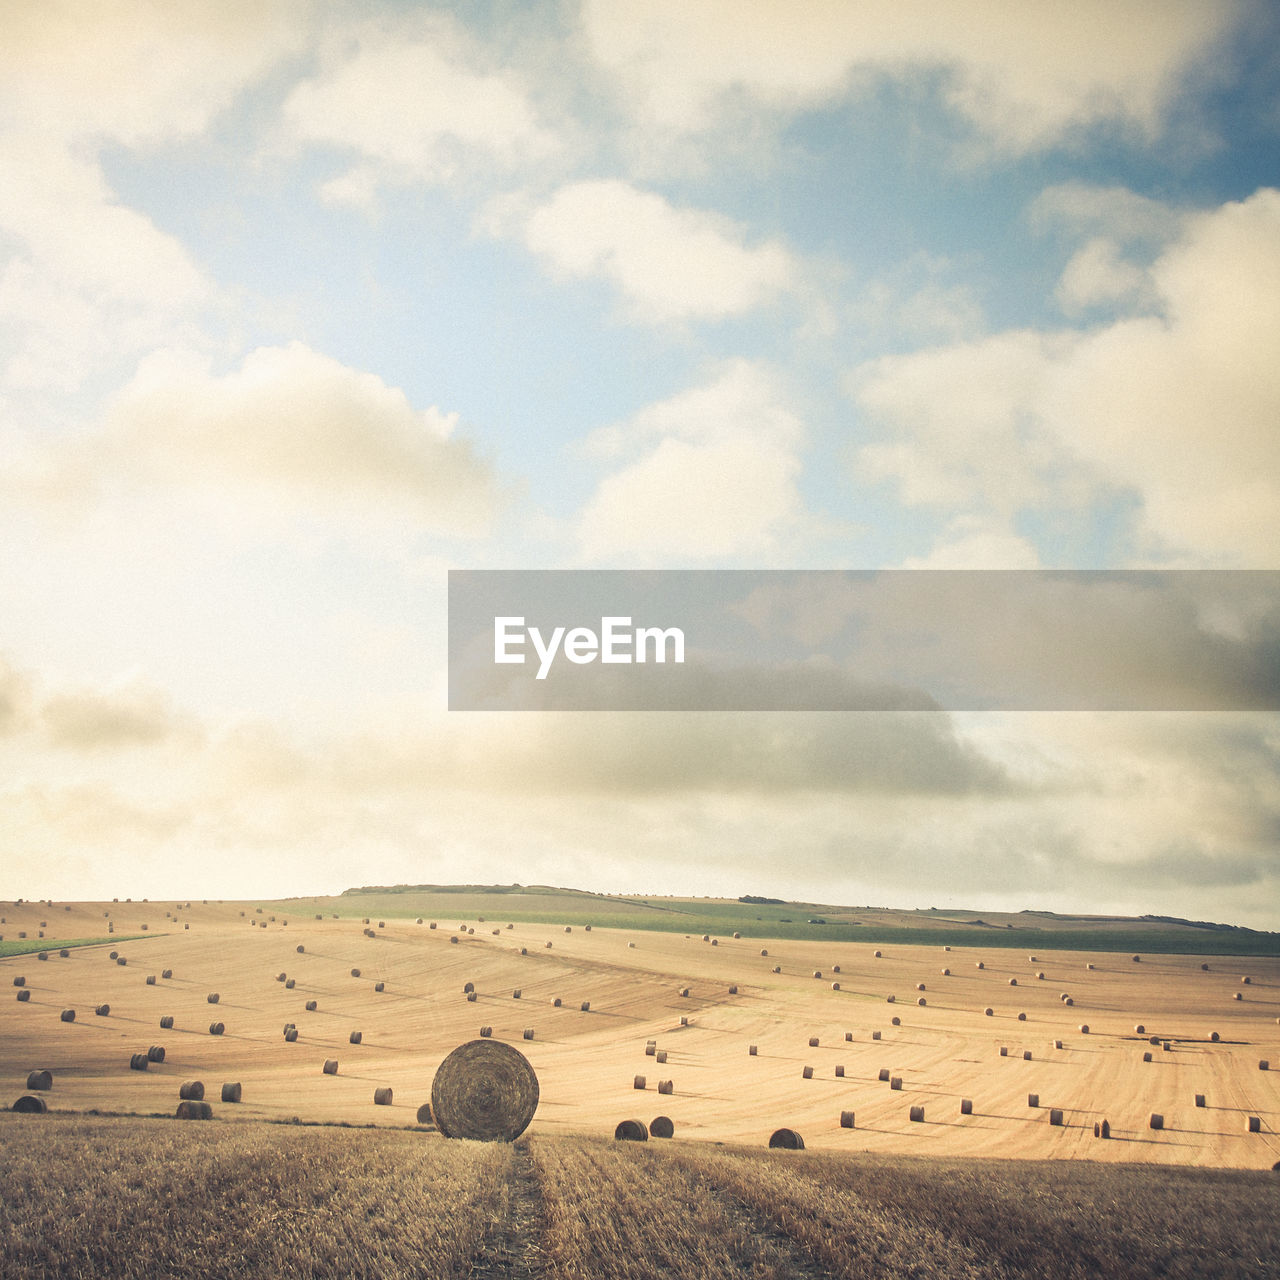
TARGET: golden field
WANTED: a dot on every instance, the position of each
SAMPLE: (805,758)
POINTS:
(944,1047)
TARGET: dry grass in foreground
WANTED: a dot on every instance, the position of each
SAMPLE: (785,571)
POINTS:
(124,1197)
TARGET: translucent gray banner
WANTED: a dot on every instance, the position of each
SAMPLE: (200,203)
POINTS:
(817,640)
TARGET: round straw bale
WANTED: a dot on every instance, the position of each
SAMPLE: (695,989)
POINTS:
(382,1096)
(684,991)
(68,1015)
(1068,1001)
(1246,979)
(631,1131)
(194,1111)
(515,995)
(1013,982)
(661,1127)
(311,1006)
(1146,1057)
(468,987)
(24,996)
(1237,996)
(280,977)
(1057,1044)
(660,1055)
(1102,1129)
(666,1086)
(291,1035)
(1055,1116)
(966,1106)
(650,1048)
(19,981)
(764,951)
(156,1053)
(808,1073)
(733,990)
(548,944)
(1033,1100)
(103,1010)
(786,1140)
(300,949)
(1040,974)
(1140,1029)
(1084,1028)
(638,1082)
(706,937)
(44,955)
(556,1003)
(1205,967)
(166,1022)
(875,1035)
(835,986)
(1026,1055)
(1264,1065)
(981,964)
(891,999)
(817,973)
(813,1042)
(586,1006)
(877,954)
(151,980)
(355,973)
(217,1028)
(486,1032)
(527,1033)
(424,1111)
(1022,1017)
(40,1079)
(382,924)
(379,986)
(916,1115)
(166,974)
(846,1119)
(122,960)
(213,997)
(1137,959)
(30,1104)
(946,973)
(231,1092)
(777,968)
(1157,1120)
(484,1090)
(1004,1050)
(330,1067)
(895,1022)
(839,1070)
(921,1001)
(191,1089)
(752,1050)
(289,984)
(884,1074)
(1200,1100)
(355,1037)
(895,1083)
(1255,1124)
(1089,966)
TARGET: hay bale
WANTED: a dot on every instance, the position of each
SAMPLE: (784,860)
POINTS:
(875,1035)
(877,954)
(1205,967)
(1137,959)
(527,1033)
(921,1001)
(166,974)
(1200,1100)
(24,996)
(122,960)
(1013,982)
(330,1067)
(1264,1065)
(733,990)
(67,1015)
(946,973)
(1004,1050)
(355,1037)
(424,1111)
(764,951)
(42,955)
(515,995)
(291,1036)
(883,1075)
(786,1140)
(666,1086)
(486,1032)
(808,1073)
(817,973)
(661,1127)
(103,1011)
(895,1022)
(300,949)
(1246,980)
(813,1042)
(1055,1117)
(355,973)
(231,1092)
(631,1131)
(980,964)
(846,1120)
(151,980)
(752,1050)
(989,1012)
(1102,1129)
(684,991)
(311,1006)
(30,1105)
(1156,1121)
(916,1115)
(280,977)
(191,1090)
(777,968)
(661,1055)
(1068,1001)
(638,1082)
(289,984)
(194,1111)
(1033,1100)
(1254,1124)
(379,986)
(1084,1028)
(156,1053)
(382,1096)
(217,1028)
(468,987)
(1146,1057)
(1238,996)
(42,1079)
(213,997)
(485,1090)
(966,1106)
(1026,1055)
(20,981)
(1057,1044)
(166,1022)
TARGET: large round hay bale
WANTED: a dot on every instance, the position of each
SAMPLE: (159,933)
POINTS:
(486,1032)
(20,981)
(166,974)
(661,1127)
(355,973)
(156,1053)
(846,1119)
(786,1140)
(231,1092)
(291,1036)
(916,1115)
(122,960)
(379,986)
(753,1050)
(638,1082)
(213,997)
(191,1090)
(166,1022)
(24,996)
(382,1096)
(813,1042)
(424,1111)
(839,1071)
(585,1007)
(193,1110)
(1200,1102)
(485,1090)
(30,1104)
(64,953)
(807,1073)
(103,1010)
(527,1033)
(1254,1124)
(300,949)
(631,1131)
(660,1055)
(355,1037)
(67,1015)
(666,1086)
(966,1106)
(1055,1117)
(311,1006)
(217,1028)
(1157,1120)
(40,1079)
(330,1066)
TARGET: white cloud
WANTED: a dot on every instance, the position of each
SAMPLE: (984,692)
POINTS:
(971,542)
(290,425)
(1024,76)
(715,476)
(411,100)
(1178,407)
(668,263)
(1099,275)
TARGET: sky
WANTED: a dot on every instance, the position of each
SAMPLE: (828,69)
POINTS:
(304,303)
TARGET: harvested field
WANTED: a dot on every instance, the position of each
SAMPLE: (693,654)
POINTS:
(136,1198)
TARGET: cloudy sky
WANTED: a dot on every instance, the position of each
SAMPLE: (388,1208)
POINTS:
(304,303)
